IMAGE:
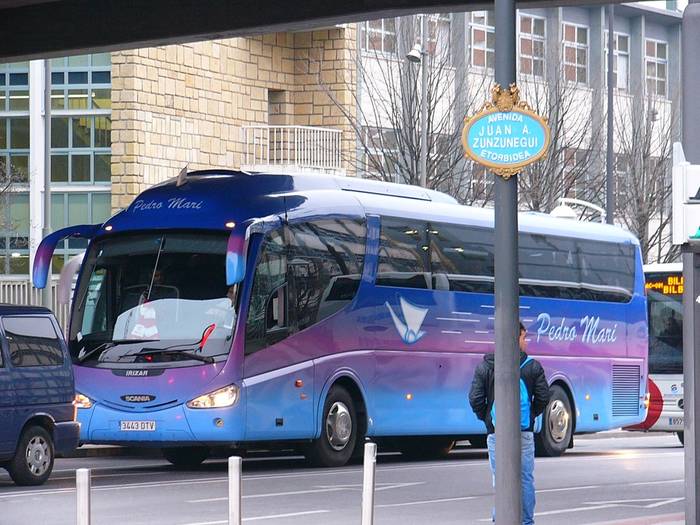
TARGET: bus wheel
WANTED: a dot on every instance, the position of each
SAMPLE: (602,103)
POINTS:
(680,437)
(555,436)
(186,457)
(425,448)
(338,433)
(33,460)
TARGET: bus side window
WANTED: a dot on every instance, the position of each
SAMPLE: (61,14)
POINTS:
(267,314)
(403,254)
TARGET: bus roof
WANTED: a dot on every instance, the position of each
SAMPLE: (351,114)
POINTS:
(209,199)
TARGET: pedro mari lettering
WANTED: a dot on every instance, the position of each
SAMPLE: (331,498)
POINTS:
(588,330)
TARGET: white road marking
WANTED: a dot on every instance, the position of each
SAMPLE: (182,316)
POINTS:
(640,503)
(639,483)
(271,494)
(425,502)
(260,518)
(565,489)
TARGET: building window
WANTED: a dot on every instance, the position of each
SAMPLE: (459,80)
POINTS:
(656,67)
(438,34)
(483,34)
(621,59)
(532,45)
(378,36)
(80,153)
(381,153)
(575,53)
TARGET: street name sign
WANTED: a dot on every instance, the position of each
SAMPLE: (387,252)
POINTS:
(505,135)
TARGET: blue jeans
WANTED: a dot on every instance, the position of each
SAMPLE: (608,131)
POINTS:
(527,475)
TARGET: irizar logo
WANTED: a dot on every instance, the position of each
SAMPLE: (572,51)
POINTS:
(409,328)
(136,373)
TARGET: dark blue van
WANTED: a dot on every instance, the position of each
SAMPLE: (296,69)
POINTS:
(37,416)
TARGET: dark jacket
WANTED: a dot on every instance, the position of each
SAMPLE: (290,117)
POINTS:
(482,391)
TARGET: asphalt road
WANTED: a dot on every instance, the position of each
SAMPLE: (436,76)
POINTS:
(603,478)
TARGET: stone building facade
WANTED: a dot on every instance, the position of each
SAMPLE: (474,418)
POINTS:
(188,104)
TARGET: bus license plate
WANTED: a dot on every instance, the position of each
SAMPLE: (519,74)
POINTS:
(137,426)
(675,421)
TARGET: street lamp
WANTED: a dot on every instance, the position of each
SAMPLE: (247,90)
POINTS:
(564,211)
(418,54)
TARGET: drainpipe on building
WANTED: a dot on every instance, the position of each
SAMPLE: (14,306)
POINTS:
(47,299)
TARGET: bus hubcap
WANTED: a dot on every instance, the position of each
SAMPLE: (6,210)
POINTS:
(38,456)
(558,421)
(338,426)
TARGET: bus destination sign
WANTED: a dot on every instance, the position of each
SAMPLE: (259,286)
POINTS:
(666,284)
(505,135)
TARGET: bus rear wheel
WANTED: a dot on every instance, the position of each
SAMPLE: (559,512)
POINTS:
(557,425)
(186,457)
(336,444)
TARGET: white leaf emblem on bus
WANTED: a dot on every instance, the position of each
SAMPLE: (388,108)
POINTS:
(409,331)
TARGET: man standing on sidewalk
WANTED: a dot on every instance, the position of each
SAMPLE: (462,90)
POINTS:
(534,396)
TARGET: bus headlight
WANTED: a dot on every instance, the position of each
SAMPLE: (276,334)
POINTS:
(82,401)
(223,397)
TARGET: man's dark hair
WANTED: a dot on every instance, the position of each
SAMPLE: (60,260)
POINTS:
(522,327)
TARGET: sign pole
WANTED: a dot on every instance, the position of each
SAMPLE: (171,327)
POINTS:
(506,370)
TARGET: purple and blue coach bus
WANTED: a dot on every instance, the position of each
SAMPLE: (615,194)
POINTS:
(228,309)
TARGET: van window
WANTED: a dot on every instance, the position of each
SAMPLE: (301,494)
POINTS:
(403,254)
(325,267)
(32,341)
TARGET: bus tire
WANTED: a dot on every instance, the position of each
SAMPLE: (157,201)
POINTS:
(186,457)
(681,437)
(556,433)
(425,447)
(335,445)
(33,460)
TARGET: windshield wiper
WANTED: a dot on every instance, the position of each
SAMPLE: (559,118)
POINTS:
(110,344)
(175,349)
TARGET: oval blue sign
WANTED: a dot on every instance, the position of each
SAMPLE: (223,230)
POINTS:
(509,139)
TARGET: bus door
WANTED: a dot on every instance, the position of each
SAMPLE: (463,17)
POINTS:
(279,389)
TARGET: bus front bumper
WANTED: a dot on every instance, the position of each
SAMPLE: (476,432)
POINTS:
(178,424)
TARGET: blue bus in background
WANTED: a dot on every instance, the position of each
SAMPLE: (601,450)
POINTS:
(223,308)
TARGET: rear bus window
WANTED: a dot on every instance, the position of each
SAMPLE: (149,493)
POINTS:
(32,341)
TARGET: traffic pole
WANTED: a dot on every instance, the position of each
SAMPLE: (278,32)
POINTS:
(690,79)
(506,369)
(234,490)
(83,486)
(370,466)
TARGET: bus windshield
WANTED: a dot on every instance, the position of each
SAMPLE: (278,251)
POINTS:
(154,298)
(664,299)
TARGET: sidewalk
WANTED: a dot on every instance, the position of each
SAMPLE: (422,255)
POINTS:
(94,451)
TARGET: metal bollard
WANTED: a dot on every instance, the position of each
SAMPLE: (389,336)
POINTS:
(370,465)
(83,486)
(234,490)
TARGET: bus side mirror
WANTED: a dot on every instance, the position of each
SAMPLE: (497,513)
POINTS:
(65,281)
(42,259)
(235,257)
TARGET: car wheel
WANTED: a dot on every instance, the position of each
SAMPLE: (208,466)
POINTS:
(33,460)
(186,457)
(557,425)
(335,445)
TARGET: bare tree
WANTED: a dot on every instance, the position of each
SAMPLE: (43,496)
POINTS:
(9,176)
(644,135)
(568,169)
(385,113)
